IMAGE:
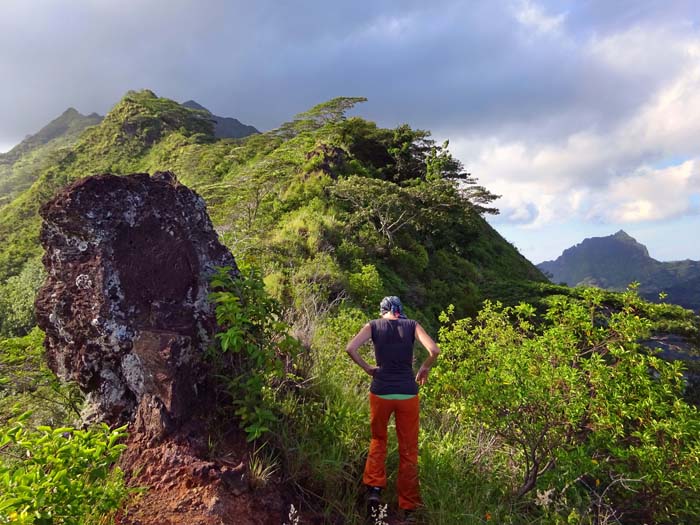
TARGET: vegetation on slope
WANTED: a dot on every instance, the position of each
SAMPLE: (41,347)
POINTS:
(336,212)
(20,166)
(557,417)
(345,200)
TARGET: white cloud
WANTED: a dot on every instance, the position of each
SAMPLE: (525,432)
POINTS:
(650,194)
(608,173)
(533,16)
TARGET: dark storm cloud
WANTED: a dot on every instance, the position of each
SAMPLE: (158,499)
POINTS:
(452,66)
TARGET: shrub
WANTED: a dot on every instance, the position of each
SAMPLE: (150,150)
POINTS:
(583,406)
(254,346)
(366,286)
(59,475)
(17,299)
(26,381)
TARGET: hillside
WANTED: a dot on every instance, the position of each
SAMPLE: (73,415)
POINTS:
(20,166)
(615,261)
(324,215)
(361,210)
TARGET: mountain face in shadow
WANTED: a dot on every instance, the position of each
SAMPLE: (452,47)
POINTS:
(615,261)
(224,127)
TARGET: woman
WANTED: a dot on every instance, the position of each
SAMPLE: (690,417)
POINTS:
(394,390)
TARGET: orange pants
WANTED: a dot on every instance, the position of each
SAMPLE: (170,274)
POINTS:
(406,414)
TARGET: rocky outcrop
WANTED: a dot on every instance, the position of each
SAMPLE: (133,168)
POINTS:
(126,315)
(125,306)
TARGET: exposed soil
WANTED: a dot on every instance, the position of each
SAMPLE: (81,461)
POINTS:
(181,488)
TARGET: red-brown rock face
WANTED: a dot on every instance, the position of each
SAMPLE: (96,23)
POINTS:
(125,306)
(126,315)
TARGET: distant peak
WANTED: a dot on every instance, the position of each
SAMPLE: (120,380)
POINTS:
(139,95)
(72,115)
(623,237)
(146,93)
(195,105)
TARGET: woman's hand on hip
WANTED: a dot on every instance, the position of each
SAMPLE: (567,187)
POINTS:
(422,375)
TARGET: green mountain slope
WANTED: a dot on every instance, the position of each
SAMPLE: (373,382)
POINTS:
(615,261)
(338,212)
(20,166)
(331,208)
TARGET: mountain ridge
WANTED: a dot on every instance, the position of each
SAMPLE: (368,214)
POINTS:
(284,183)
(20,166)
(615,261)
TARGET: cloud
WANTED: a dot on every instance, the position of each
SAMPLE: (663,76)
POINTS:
(534,16)
(568,109)
(650,195)
(609,172)
(492,66)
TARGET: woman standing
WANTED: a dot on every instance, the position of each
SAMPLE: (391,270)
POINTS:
(394,390)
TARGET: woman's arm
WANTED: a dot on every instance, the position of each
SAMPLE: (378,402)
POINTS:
(364,335)
(432,349)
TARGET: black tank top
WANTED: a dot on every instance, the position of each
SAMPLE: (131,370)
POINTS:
(393,349)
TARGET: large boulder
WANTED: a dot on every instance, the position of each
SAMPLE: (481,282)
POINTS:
(125,306)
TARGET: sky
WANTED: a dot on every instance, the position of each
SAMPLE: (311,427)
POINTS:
(584,115)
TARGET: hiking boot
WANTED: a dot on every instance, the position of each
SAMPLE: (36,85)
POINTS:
(409,517)
(374,494)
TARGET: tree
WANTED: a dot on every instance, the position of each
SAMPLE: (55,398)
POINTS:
(440,164)
(385,205)
(318,116)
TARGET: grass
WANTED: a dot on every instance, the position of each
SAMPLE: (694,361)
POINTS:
(466,477)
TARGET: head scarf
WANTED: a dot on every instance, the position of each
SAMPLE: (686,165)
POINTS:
(391,304)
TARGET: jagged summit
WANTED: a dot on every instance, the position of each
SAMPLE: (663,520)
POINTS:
(195,105)
(623,236)
(615,261)
(224,127)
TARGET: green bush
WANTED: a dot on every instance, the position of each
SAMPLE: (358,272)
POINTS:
(17,299)
(589,414)
(60,475)
(26,382)
(366,286)
(254,348)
